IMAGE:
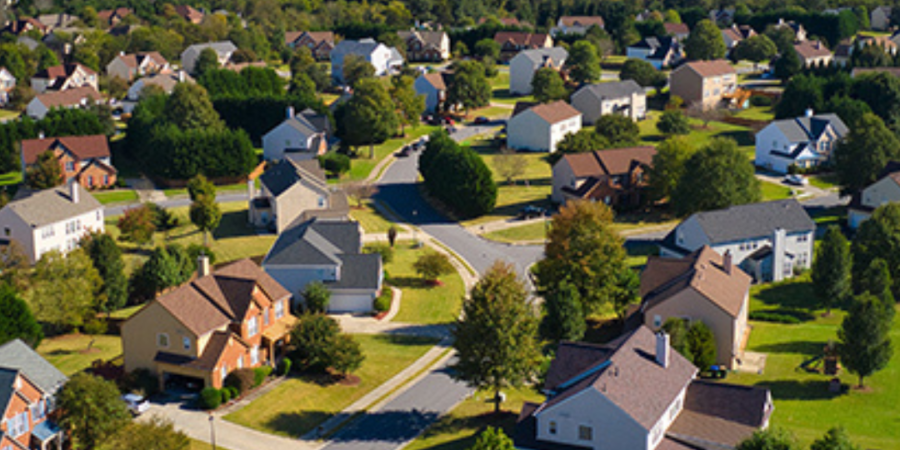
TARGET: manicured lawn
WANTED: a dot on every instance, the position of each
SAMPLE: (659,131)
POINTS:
(6,114)
(829,216)
(303,402)
(116,196)
(501,81)
(823,181)
(700,135)
(502,95)
(369,218)
(459,429)
(125,313)
(491,112)
(764,113)
(422,303)
(69,352)
(627,223)
(531,232)
(772,191)
(227,188)
(361,167)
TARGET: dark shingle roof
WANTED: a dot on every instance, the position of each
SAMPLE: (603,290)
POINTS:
(315,242)
(358,271)
(722,413)
(613,90)
(754,220)
(539,55)
(803,129)
(17,355)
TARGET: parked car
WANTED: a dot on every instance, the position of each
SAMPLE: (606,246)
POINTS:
(796,180)
(531,212)
(404,152)
(136,404)
(481,120)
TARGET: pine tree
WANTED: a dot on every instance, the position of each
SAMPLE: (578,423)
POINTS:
(831,268)
(563,316)
(865,346)
(16,320)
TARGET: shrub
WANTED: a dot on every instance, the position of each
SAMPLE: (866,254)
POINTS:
(767,316)
(142,380)
(233,392)
(432,265)
(240,379)
(210,398)
(225,393)
(335,163)
(760,100)
(285,367)
(385,250)
(316,297)
(673,122)
(260,374)
(383,302)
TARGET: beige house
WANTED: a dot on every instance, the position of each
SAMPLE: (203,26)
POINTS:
(703,286)
(62,77)
(813,53)
(703,82)
(426,45)
(196,334)
(133,65)
(289,189)
(885,190)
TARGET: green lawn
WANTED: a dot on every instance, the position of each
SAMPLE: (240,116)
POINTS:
(501,81)
(700,134)
(200,445)
(531,232)
(491,112)
(116,196)
(459,429)
(10,178)
(361,167)
(6,114)
(232,188)
(125,313)
(301,403)
(369,218)
(69,353)
(422,303)
(772,191)
(823,181)
(763,113)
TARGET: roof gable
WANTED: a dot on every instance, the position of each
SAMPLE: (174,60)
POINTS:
(81,147)
(39,208)
(17,355)
(754,220)
(707,69)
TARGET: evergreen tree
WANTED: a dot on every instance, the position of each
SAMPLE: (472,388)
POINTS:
(702,345)
(668,165)
(107,258)
(207,60)
(878,238)
(618,130)
(865,343)
(831,268)
(563,316)
(835,439)
(877,281)
(860,157)
(677,330)
(368,117)
(16,320)
(205,215)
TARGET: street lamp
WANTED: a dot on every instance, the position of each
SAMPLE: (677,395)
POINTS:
(212,430)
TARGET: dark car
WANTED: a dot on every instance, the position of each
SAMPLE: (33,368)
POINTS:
(481,120)
(531,212)
(404,152)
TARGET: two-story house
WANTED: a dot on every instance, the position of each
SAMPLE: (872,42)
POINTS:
(289,189)
(576,24)
(433,86)
(62,77)
(813,53)
(767,240)
(385,60)
(661,52)
(803,142)
(303,135)
(796,28)
(540,128)
(733,35)
(81,97)
(28,386)
(134,65)
(196,334)
(329,251)
(51,219)
(523,66)
(7,83)
(165,81)
(513,42)
(679,31)
(320,43)
(187,12)
(703,82)
(616,177)
(637,393)
(703,286)
(111,17)
(25,24)
(883,191)
(426,45)
(85,159)
(223,49)
(625,98)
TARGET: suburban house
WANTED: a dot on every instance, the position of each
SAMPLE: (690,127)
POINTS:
(722,17)
(288,190)
(703,286)
(796,28)
(58,20)
(626,98)
(134,65)
(541,127)
(880,18)
(62,77)
(187,12)
(803,142)
(637,392)
(661,52)
(813,53)
(426,45)
(703,82)
(81,97)
(196,334)
(523,66)
(734,34)
(223,49)
(679,31)
(24,24)
(576,24)
(844,50)
(513,42)
(51,219)
(329,251)
(883,191)
(111,17)
(28,386)
(384,59)
(433,86)
(165,81)
(320,43)
(304,135)
(7,83)
(768,240)
(85,159)
(616,177)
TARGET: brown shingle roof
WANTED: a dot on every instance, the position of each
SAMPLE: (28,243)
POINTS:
(69,97)
(609,162)
(317,36)
(676,28)
(107,15)
(436,79)
(82,147)
(135,59)
(733,34)
(521,38)
(584,21)
(188,13)
(555,112)
(721,413)
(712,68)
(811,49)
(430,38)
(63,71)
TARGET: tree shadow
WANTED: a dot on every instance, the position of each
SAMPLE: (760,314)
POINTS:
(805,348)
(411,282)
(789,294)
(801,390)
(386,426)
(297,424)
(741,137)
(602,331)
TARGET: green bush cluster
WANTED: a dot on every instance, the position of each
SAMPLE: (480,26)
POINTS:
(383,302)
(761,100)
(241,379)
(260,374)
(768,316)
(210,398)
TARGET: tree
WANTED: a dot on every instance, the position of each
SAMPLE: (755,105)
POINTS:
(643,73)
(668,165)
(787,64)
(207,60)
(347,355)
(835,439)
(90,409)
(850,110)
(582,141)
(769,439)
(563,316)
(199,186)
(757,49)
(831,268)
(410,105)
(583,62)
(16,320)
(205,215)
(626,291)
(431,265)
(311,341)
(881,92)
(356,69)
(154,434)
(877,281)
(302,85)
(495,338)
(160,271)
(865,343)
(702,345)
(64,289)
(457,176)
(618,130)
(547,85)
(705,42)
(673,122)
(716,176)
(316,297)
(368,117)
(877,238)
(189,108)
(677,329)
(136,224)
(45,173)
(801,93)
(583,248)
(107,259)
(487,48)
(863,153)
(469,86)
(510,166)
(493,439)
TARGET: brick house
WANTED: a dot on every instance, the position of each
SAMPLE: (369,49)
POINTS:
(82,158)
(320,43)
(615,176)
(425,45)
(512,42)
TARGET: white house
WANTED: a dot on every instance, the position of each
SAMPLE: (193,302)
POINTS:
(576,24)
(803,142)
(523,66)
(7,83)
(767,240)
(81,97)
(621,97)
(661,52)
(383,58)
(224,50)
(880,18)
(165,81)
(52,219)
(883,191)
(540,128)
(434,87)
(303,135)
(62,77)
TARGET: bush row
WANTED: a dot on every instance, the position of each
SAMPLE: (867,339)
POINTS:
(237,383)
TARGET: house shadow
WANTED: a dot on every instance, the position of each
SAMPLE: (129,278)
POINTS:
(802,390)
(386,426)
(788,294)
(741,137)
(805,348)
(404,199)
(234,224)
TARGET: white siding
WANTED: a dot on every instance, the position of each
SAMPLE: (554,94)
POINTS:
(62,236)
(280,138)
(611,427)
(521,71)
(563,176)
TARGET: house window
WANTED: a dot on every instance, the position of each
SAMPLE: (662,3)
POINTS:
(553,427)
(240,362)
(223,372)
(657,321)
(279,309)
(186,342)
(6,231)
(585,433)
(254,355)
(70,166)
(90,181)
(106,180)
(266,317)
(38,410)
(162,340)
(252,326)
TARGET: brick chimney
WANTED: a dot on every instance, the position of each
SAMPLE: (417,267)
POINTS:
(662,349)
(727,263)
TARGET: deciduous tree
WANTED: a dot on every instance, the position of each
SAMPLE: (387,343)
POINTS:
(200,186)
(757,49)
(487,48)
(493,439)
(831,268)
(357,69)
(717,176)
(673,122)
(90,409)
(207,60)
(668,165)
(16,319)
(136,224)
(64,289)
(583,62)
(863,153)
(643,73)
(45,173)
(107,259)
(431,265)
(705,42)
(189,108)
(469,86)
(865,342)
(410,105)
(154,434)
(563,316)
(702,345)
(205,215)
(316,297)
(618,130)
(369,117)
(547,85)
(583,141)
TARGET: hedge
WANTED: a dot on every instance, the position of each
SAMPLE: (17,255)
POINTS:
(285,367)
(210,398)
(383,302)
(260,374)
(766,316)
(241,379)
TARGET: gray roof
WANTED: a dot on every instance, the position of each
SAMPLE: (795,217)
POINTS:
(754,220)
(39,208)
(17,355)
(302,124)
(286,173)
(219,47)
(613,90)
(358,271)
(804,129)
(315,242)
(351,47)
(539,55)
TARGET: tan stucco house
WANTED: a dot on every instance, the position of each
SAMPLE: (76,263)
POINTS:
(703,82)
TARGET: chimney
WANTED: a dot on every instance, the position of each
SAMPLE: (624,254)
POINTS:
(726,262)
(202,265)
(251,187)
(778,242)
(40,134)
(662,349)
(809,112)
(74,191)
(181,76)
(290,112)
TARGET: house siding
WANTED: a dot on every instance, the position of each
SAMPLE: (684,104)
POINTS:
(528,131)
(432,95)
(611,427)
(140,338)
(284,137)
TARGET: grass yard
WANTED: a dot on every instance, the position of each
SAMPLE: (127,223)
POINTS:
(459,429)
(700,135)
(226,188)
(69,354)
(763,113)
(6,114)
(200,445)
(369,218)
(361,167)
(531,232)
(772,191)
(301,403)
(824,181)
(421,303)
(502,95)
(234,239)
(829,216)
(10,178)
(125,313)
(491,112)
(115,196)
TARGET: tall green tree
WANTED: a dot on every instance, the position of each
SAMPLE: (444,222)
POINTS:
(702,345)
(64,289)
(787,64)
(205,215)
(716,176)
(863,153)
(107,258)
(487,48)
(207,60)
(582,141)
(493,439)
(643,73)
(677,330)
(137,224)
(877,281)
(200,186)
(756,49)
(356,69)
(673,122)
(801,93)
(45,173)
(16,320)
(618,130)
(835,439)
(668,165)
(189,108)
(881,91)
(90,410)
(877,238)
(410,105)
(547,85)
(831,268)
(154,434)
(316,297)
(865,343)
(705,42)
(495,339)
(583,62)
(369,117)
(563,318)
(469,86)
(769,439)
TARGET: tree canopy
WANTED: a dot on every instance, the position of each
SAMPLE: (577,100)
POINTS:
(863,153)
(16,319)
(716,176)
(878,238)
(369,117)
(583,62)
(90,409)
(865,343)
(547,85)
(469,86)
(705,42)
(831,268)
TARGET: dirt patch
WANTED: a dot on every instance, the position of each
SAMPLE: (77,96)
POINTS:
(88,351)
(349,380)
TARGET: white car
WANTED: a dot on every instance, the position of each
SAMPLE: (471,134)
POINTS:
(136,404)
(796,180)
